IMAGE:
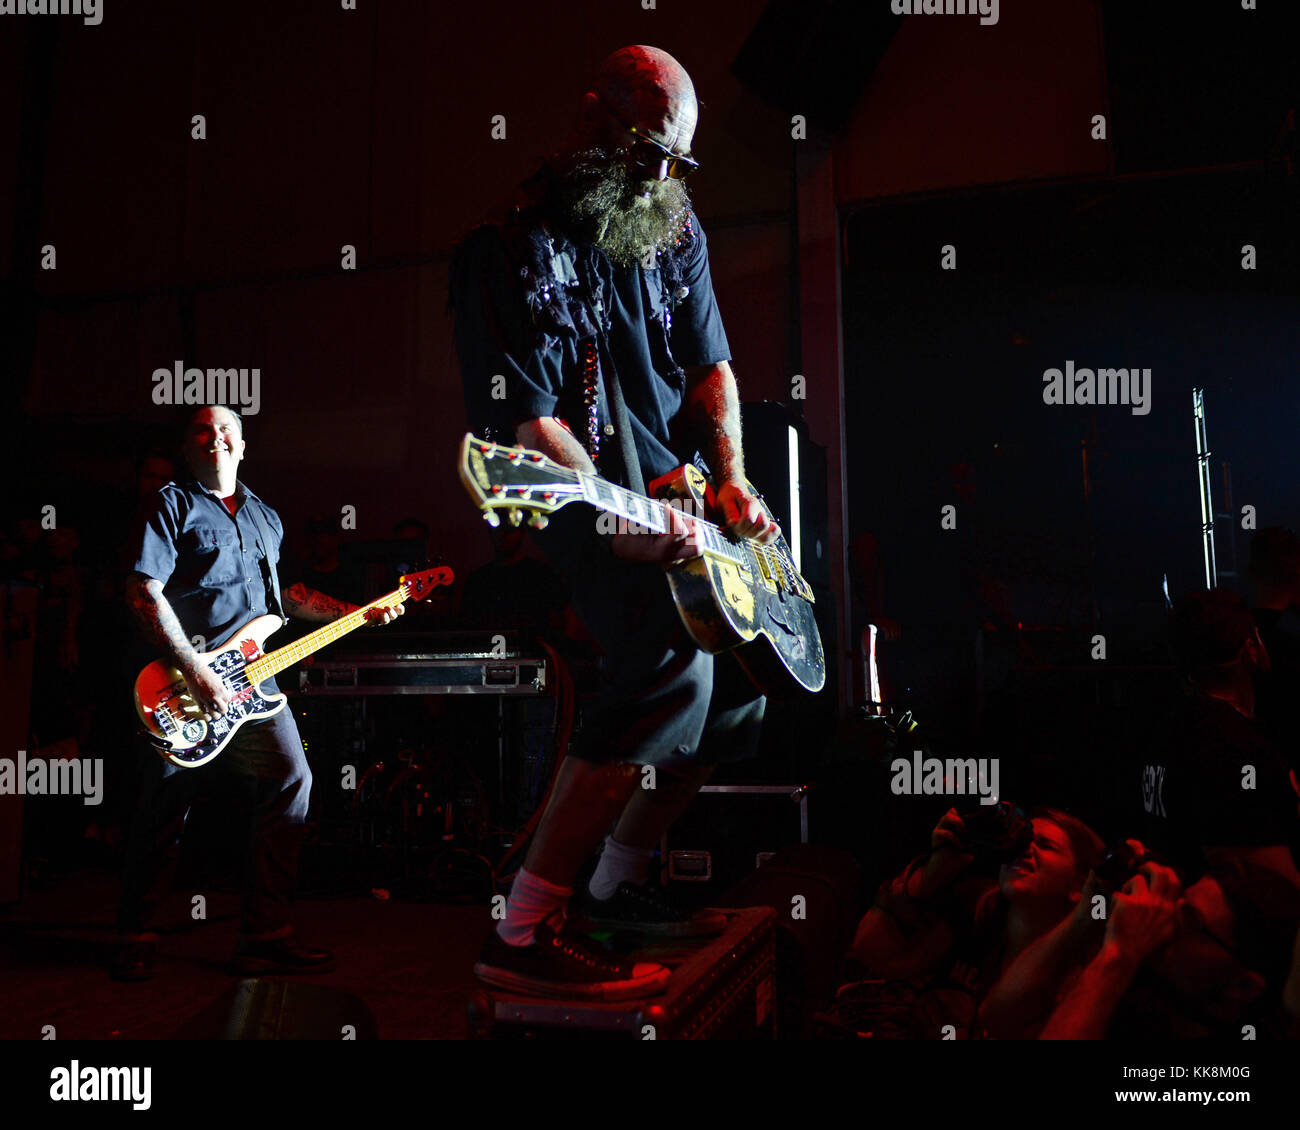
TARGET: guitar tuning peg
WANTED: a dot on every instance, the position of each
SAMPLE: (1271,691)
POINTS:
(539,521)
(514,515)
(491,518)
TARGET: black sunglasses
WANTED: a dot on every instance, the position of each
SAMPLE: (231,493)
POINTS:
(650,154)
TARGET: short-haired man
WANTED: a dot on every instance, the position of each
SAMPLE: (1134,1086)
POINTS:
(204,563)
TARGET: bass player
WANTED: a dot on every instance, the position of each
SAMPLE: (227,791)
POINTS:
(204,565)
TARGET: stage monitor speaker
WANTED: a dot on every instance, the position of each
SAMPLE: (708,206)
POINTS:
(267,1009)
(813,57)
(810,946)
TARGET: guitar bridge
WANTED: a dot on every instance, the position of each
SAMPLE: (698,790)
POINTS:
(166,723)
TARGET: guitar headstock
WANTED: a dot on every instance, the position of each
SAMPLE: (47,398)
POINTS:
(420,586)
(515,480)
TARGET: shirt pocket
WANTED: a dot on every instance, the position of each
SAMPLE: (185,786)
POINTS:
(213,556)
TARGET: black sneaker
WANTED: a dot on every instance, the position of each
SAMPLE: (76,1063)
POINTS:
(562,965)
(646,910)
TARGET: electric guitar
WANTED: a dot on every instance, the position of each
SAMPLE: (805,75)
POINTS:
(739,594)
(174,722)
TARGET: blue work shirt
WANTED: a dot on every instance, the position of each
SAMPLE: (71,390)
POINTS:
(210,562)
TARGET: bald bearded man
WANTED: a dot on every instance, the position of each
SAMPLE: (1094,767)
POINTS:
(601,268)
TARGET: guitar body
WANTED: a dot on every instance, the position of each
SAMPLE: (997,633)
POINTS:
(173,718)
(772,633)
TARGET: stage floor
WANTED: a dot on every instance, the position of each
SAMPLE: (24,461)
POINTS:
(411,963)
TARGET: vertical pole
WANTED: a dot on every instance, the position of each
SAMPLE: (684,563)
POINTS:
(1203,481)
(822,364)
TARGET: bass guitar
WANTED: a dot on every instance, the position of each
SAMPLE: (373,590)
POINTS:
(174,722)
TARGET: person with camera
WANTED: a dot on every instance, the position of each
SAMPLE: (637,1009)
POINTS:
(995,881)
(1143,958)
(1127,881)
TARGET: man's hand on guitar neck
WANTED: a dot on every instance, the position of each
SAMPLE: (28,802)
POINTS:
(680,543)
(377,617)
(739,513)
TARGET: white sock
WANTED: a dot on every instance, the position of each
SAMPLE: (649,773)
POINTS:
(532,900)
(619,863)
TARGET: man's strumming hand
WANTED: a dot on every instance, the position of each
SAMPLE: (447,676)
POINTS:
(741,513)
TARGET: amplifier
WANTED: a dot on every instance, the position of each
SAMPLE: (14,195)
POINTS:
(424,673)
(728,832)
(721,988)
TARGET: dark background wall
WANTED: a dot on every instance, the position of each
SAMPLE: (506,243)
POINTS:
(324,127)
(328,127)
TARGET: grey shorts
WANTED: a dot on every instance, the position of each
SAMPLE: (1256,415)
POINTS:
(665,702)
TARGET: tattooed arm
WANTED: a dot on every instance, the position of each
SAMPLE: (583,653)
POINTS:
(713,408)
(554,440)
(305,603)
(155,616)
(308,604)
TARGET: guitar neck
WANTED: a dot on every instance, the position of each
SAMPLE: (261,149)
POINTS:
(276,661)
(768,561)
(653,515)
(542,484)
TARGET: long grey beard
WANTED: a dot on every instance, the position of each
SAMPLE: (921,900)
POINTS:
(597,197)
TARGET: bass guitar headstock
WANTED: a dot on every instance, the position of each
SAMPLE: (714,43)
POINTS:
(420,586)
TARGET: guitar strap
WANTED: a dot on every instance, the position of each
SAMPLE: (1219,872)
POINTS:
(622,424)
(270,576)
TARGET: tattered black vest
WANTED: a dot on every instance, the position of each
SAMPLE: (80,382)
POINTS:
(567,290)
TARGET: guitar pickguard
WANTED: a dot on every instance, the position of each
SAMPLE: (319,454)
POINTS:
(202,739)
(739,595)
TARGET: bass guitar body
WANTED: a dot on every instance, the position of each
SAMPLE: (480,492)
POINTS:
(174,720)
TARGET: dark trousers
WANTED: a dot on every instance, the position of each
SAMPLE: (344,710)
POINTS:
(264,763)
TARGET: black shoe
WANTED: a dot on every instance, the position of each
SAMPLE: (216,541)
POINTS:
(280,955)
(134,961)
(646,910)
(563,965)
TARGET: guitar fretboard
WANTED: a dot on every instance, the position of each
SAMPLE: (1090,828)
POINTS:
(500,489)
(278,660)
(769,561)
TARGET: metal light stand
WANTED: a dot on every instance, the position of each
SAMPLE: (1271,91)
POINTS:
(1203,480)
